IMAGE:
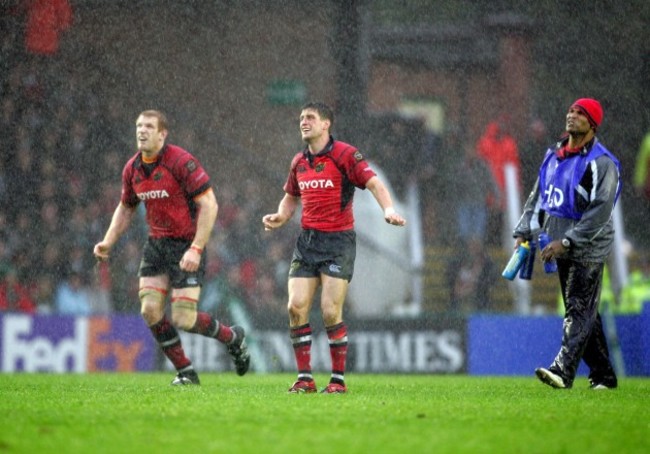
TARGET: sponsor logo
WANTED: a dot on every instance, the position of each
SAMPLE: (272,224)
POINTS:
(74,344)
(301,169)
(358,156)
(315,184)
(150,195)
(371,351)
(554,196)
(334,268)
(190,166)
(192,281)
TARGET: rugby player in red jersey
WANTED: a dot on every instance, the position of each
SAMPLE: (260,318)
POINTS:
(181,210)
(323,178)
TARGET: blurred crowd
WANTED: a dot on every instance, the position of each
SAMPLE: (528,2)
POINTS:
(63,150)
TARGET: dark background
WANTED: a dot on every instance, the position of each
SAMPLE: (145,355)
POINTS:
(218,69)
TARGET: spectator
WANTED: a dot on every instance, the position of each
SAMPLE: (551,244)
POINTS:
(499,149)
(100,289)
(642,169)
(4,195)
(73,296)
(51,260)
(537,139)
(279,264)
(44,294)
(51,224)
(474,188)
(80,141)
(640,214)
(23,182)
(5,253)
(46,20)
(8,121)
(124,289)
(21,230)
(14,296)
(265,301)
(470,276)
(636,292)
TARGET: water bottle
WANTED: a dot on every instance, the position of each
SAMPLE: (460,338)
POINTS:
(551,265)
(516,261)
(526,271)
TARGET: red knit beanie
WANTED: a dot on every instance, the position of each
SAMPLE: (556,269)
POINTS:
(592,110)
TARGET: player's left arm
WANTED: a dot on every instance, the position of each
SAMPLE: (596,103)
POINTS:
(381,194)
(207,209)
(206,217)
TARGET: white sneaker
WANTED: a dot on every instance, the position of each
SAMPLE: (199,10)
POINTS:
(548,377)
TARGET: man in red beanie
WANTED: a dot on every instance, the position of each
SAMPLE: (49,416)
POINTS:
(591,109)
(572,200)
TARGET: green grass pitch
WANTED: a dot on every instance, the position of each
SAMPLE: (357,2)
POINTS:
(142,413)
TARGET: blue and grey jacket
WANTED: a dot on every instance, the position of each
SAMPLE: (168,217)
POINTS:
(574,198)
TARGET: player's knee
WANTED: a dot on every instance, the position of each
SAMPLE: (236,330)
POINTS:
(331,317)
(332,314)
(184,312)
(151,304)
(295,309)
(183,319)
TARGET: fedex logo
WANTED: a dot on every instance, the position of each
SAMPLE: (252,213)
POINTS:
(74,344)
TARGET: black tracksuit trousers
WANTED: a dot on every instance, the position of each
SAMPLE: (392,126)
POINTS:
(583,336)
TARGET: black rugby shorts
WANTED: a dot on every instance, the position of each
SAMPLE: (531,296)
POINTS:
(330,253)
(163,255)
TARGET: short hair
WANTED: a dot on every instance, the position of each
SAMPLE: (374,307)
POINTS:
(162,118)
(324,111)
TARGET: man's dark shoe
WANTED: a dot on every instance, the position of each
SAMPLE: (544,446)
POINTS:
(239,351)
(188,377)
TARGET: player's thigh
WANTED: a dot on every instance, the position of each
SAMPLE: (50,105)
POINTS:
(302,291)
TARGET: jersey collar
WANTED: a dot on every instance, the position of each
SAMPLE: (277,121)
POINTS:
(310,157)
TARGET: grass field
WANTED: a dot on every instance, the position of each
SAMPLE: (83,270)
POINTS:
(141,413)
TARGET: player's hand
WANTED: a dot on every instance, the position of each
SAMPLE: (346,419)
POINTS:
(393,218)
(190,261)
(101,251)
(272,221)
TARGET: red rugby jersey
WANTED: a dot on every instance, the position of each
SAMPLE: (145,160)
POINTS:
(167,188)
(325,183)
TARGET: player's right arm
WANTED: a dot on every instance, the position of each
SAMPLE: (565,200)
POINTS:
(286,209)
(121,221)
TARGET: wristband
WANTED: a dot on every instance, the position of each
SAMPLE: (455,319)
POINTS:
(197,249)
(389,211)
